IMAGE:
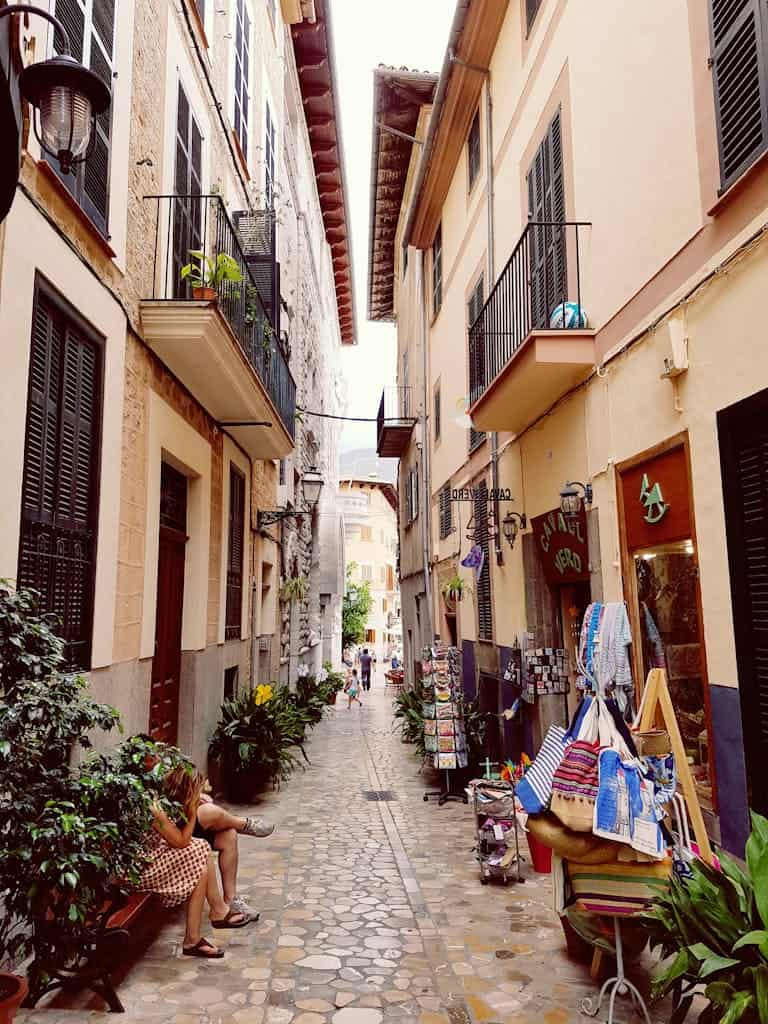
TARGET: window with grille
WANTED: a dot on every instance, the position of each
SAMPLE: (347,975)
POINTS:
(235,555)
(483,583)
(437,271)
(281,473)
(546,207)
(412,495)
(366,572)
(269,156)
(474,309)
(188,176)
(445,510)
(473,149)
(242,74)
(90,25)
(437,412)
(61,458)
(531,10)
(739,61)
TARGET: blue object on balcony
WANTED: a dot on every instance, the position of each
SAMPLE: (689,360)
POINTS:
(568,316)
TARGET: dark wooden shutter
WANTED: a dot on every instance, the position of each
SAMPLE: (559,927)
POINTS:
(235,554)
(739,33)
(437,270)
(60,490)
(743,431)
(483,583)
(474,309)
(437,413)
(546,205)
(187,180)
(473,149)
(92,37)
(446,511)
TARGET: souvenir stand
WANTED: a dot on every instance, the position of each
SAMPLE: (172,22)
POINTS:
(445,743)
(608,792)
(498,843)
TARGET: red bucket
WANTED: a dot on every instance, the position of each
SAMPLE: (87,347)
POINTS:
(541,855)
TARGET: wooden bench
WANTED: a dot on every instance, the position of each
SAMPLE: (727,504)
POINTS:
(104,949)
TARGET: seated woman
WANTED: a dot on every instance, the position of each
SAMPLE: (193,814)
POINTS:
(180,870)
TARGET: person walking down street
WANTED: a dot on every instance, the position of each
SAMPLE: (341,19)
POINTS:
(352,688)
(366,662)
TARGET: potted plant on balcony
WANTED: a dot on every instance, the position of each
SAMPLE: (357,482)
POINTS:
(206,274)
(454,590)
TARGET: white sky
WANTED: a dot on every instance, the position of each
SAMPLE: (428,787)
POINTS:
(367,33)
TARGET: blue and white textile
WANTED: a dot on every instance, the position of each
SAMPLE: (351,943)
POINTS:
(626,809)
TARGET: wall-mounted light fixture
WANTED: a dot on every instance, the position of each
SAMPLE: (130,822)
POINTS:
(572,499)
(311,485)
(512,524)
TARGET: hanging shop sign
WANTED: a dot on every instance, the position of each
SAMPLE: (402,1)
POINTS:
(562,545)
(656,500)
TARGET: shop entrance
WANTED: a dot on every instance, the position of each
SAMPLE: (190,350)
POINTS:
(166,664)
(661,579)
(743,430)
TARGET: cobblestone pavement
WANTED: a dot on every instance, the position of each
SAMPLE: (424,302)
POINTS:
(371,911)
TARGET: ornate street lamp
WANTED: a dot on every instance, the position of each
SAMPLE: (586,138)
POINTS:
(66,96)
(511,525)
(311,484)
(571,500)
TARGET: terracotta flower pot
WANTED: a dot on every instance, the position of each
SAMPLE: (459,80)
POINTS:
(204,294)
(13,992)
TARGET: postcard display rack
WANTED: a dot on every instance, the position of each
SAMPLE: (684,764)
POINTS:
(445,743)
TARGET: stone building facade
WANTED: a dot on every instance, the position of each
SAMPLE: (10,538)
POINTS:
(146,429)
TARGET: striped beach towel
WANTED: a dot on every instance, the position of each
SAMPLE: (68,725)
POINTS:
(575,786)
(620,888)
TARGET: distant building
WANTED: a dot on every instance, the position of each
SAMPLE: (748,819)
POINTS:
(369,508)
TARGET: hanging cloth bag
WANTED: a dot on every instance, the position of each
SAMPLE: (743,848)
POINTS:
(534,790)
(575,782)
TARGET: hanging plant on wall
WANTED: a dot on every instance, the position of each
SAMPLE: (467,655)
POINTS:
(455,589)
(294,589)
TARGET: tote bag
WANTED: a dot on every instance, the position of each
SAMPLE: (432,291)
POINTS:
(575,782)
(535,788)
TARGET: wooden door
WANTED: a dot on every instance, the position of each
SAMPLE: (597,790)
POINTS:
(166,665)
(743,430)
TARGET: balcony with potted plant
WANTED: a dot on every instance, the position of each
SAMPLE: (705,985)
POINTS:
(208,321)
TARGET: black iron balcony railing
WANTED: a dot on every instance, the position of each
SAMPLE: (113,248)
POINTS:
(394,407)
(542,274)
(185,223)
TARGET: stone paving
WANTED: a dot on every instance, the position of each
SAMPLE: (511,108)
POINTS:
(371,911)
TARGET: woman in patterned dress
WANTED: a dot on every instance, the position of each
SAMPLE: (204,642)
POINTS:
(180,870)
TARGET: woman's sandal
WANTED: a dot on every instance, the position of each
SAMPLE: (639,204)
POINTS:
(227,922)
(199,948)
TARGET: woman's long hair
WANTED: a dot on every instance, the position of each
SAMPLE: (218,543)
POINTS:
(184,785)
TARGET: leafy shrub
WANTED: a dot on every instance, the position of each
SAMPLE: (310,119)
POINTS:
(408,716)
(29,646)
(715,925)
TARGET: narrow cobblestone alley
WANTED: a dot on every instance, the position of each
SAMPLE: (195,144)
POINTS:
(371,911)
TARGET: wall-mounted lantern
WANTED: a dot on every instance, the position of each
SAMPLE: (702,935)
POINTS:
(572,499)
(511,525)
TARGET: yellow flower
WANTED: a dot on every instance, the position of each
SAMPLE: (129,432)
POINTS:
(263,694)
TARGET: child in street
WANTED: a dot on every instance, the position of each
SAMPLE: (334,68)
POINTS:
(352,689)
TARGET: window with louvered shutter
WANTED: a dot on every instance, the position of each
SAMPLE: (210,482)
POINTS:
(242,74)
(473,150)
(60,487)
(437,412)
(474,309)
(187,180)
(483,583)
(235,554)
(546,207)
(739,38)
(90,25)
(437,271)
(446,511)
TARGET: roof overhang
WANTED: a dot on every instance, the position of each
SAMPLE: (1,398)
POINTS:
(314,53)
(473,37)
(398,98)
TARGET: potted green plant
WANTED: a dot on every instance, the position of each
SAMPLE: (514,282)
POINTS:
(332,684)
(207,273)
(294,589)
(712,929)
(454,589)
